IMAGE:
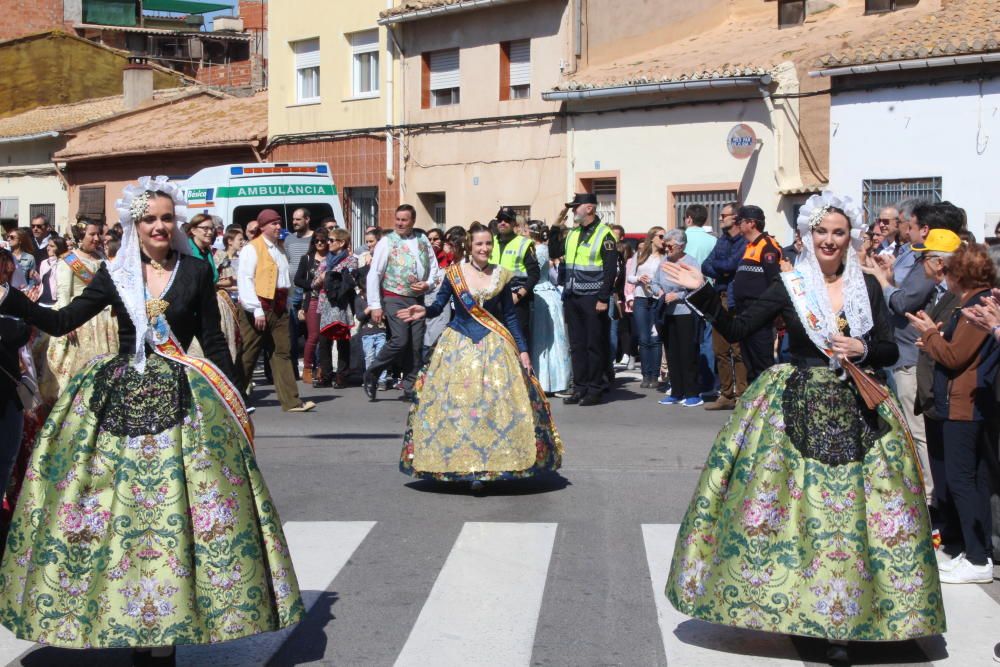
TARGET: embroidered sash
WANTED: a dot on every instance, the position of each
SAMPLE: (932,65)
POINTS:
(79,268)
(486,318)
(814,320)
(225,390)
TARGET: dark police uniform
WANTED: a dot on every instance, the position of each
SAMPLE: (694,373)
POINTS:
(516,253)
(590,264)
(760,266)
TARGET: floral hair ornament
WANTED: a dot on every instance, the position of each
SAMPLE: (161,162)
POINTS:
(135,198)
(816,207)
(126,268)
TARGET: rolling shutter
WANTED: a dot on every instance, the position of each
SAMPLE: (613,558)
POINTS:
(444,70)
(520,63)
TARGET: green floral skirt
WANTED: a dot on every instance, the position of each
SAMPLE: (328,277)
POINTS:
(144,520)
(810,519)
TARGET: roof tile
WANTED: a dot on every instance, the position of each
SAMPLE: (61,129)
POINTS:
(750,43)
(960,27)
(199,121)
(62,117)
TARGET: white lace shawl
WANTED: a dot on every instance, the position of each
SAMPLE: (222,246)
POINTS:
(857,307)
(126,268)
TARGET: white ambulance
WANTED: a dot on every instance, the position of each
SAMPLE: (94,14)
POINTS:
(236,193)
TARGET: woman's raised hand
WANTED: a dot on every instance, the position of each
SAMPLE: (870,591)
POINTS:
(684,275)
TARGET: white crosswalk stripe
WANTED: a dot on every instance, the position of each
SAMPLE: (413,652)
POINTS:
(687,641)
(694,643)
(973,617)
(319,549)
(484,606)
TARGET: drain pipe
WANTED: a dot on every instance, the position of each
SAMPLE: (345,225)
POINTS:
(390,63)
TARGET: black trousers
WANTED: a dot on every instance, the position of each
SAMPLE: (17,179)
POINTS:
(588,333)
(405,341)
(959,464)
(679,334)
(757,348)
(326,357)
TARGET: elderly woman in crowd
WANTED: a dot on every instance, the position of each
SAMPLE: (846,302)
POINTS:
(677,325)
(966,360)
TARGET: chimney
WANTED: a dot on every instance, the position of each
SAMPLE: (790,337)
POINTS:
(137,82)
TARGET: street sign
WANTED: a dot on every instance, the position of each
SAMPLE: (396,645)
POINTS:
(741,141)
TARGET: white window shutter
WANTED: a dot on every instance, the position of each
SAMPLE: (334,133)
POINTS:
(306,53)
(364,42)
(444,70)
(520,63)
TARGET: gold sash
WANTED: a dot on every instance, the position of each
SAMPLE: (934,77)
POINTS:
(231,398)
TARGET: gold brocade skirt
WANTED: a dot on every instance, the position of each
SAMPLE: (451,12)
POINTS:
(478,416)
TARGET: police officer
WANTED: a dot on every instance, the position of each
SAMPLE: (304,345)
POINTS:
(590,263)
(760,266)
(516,253)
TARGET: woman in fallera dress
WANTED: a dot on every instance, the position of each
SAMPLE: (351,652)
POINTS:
(99,335)
(549,344)
(479,414)
(809,518)
(144,521)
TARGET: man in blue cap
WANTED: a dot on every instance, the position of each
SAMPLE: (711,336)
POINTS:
(590,260)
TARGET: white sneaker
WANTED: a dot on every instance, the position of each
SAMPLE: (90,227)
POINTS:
(965,572)
(945,562)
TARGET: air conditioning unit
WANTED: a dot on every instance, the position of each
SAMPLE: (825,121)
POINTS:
(194,20)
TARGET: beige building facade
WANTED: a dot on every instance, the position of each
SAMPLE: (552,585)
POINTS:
(334,98)
(477,134)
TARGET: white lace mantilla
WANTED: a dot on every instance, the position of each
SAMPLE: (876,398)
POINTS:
(126,269)
(857,307)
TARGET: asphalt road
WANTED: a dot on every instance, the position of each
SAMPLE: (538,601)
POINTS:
(392,566)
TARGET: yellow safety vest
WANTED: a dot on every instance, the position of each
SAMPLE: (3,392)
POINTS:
(512,258)
(584,261)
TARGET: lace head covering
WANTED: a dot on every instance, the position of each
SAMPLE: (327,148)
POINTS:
(126,268)
(857,307)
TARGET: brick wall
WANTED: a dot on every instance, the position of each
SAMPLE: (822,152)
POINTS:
(356,162)
(23,17)
(254,14)
(232,75)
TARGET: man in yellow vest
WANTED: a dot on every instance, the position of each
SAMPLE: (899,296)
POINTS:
(590,265)
(516,253)
(263,281)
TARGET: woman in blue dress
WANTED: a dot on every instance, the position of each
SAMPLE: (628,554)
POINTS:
(479,414)
(549,344)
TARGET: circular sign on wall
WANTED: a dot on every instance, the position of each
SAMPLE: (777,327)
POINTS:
(741,141)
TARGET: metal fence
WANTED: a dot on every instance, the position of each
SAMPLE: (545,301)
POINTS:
(714,200)
(877,194)
(363,212)
(606,190)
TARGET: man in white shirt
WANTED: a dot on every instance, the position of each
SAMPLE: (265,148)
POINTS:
(403,269)
(263,280)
